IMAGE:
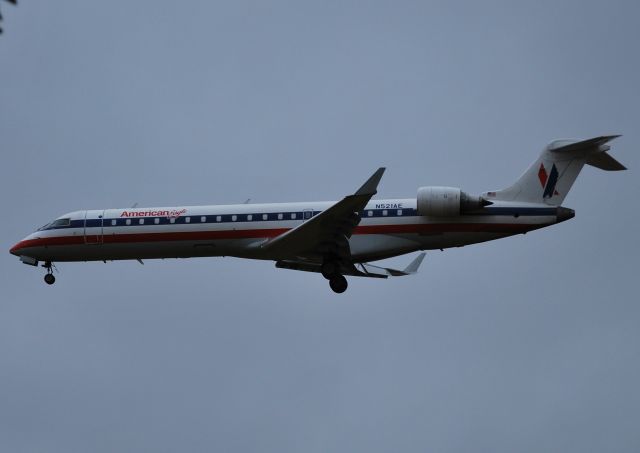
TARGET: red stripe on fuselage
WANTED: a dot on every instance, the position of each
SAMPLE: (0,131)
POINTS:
(46,242)
(150,237)
(422,228)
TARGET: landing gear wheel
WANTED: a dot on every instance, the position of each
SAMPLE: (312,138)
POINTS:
(338,284)
(49,279)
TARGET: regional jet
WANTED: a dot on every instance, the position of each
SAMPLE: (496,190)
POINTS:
(335,239)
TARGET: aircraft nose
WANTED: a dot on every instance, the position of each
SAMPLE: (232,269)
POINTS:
(16,248)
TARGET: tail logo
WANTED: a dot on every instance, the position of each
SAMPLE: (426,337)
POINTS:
(548,181)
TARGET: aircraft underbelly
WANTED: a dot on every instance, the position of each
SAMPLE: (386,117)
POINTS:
(368,247)
(372,247)
(141,250)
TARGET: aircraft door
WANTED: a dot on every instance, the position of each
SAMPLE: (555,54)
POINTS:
(93,227)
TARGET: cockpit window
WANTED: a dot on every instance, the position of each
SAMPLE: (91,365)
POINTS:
(60,223)
(56,224)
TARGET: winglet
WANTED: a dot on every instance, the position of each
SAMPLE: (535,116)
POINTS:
(412,268)
(371,186)
(377,271)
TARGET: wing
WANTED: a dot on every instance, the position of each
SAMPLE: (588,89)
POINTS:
(328,233)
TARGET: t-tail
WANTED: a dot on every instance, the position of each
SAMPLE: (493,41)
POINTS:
(549,179)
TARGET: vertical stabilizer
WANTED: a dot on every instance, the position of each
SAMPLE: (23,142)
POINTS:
(549,179)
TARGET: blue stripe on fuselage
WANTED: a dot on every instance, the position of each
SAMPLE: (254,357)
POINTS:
(274,216)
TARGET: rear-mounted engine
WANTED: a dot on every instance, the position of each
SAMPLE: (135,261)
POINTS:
(447,201)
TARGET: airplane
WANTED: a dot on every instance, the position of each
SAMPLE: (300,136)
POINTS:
(335,239)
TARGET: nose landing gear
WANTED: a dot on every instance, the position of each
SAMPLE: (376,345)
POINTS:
(49,278)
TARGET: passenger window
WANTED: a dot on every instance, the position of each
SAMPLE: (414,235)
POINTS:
(113,222)
(280,216)
(219,218)
(384,212)
(187,219)
(141,221)
(265,216)
(156,220)
(399,212)
(172,220)
(128,222)
(203,219)
(249,217)
(234,218)
(370,213)
(293,216)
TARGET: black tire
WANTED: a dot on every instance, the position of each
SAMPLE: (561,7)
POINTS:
(338,284)
(49,279)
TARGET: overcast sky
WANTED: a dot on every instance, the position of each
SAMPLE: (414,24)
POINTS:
(529,343)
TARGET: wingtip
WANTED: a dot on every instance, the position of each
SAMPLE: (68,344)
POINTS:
(370,187)
(412,268)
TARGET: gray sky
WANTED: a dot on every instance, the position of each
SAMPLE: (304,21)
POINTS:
(530,343)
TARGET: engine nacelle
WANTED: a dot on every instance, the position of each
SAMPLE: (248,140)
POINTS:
(447,201)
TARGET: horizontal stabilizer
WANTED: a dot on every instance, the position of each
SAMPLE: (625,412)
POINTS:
(568,146)
(594,150)
(605,161)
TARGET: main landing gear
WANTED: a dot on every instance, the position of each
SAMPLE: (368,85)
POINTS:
(338,283)
(49,277)
(331,271)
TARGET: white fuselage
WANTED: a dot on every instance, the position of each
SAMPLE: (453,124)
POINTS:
(387,228)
